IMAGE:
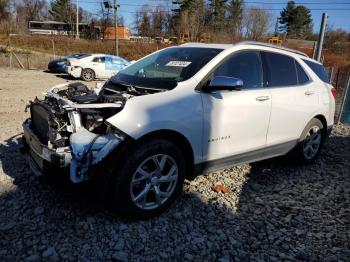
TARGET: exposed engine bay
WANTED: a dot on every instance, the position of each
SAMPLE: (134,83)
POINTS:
(66,108)
(70,124)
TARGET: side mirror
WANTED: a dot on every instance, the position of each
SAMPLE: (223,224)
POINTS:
(223,83)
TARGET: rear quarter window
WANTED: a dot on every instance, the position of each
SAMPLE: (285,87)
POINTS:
(318,70)
(302,76)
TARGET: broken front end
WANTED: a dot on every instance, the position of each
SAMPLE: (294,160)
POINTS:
(68,129)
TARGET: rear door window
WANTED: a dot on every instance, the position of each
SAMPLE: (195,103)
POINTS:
(100,59)
(318,70)
(281,70)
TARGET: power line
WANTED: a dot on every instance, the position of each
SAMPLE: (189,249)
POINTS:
(298,3)
(264,8)
(267,9)
(246,2)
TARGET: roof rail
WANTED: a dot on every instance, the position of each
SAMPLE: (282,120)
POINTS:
(272,46)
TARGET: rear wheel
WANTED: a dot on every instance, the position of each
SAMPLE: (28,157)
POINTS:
(311,142)
(149,181)
(88,74)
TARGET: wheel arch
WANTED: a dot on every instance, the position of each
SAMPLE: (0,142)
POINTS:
(323,119)
(181,141)
(319,117)
(85,68)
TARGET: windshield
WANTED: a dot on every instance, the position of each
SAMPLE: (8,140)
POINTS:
(172,64)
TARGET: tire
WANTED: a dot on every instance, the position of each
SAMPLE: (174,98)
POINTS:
(88,74)
(310,142)
(139,189)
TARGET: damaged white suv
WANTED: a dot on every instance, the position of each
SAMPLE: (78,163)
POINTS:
(179,112)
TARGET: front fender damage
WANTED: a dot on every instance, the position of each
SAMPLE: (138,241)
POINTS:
(88,149)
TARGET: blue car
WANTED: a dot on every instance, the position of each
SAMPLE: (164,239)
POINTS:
(58,65)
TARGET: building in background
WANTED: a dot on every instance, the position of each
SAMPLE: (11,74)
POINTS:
(123,33)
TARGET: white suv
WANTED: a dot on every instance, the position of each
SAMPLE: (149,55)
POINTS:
(179,112)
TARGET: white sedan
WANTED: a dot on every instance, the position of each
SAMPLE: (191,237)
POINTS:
(95,66)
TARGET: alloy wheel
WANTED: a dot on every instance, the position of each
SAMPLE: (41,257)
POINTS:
(154,181)
(88,75)
(312,142)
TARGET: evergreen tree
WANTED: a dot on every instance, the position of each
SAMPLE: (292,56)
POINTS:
(218,11)
(235,17)
(296,21)
(63,11)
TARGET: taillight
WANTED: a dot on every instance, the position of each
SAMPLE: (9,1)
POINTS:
(334,92)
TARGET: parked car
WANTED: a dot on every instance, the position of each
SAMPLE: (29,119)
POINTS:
(59,65)
(95,66)
(177,113)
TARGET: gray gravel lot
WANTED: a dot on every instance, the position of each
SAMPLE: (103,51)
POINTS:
(274,211)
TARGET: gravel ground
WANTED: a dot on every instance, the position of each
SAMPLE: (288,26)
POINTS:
(274,210)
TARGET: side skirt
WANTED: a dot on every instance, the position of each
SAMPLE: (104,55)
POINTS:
(248,157)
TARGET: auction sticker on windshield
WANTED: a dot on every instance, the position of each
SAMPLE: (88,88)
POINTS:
(179,63)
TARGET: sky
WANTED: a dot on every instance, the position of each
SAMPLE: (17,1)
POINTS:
(338,10)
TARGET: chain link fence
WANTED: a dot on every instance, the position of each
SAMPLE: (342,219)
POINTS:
(344,115)
(340,79)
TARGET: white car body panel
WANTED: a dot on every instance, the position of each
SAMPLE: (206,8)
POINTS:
(277,121)
(141,115)
(225,113)
(73,71)
(291,110)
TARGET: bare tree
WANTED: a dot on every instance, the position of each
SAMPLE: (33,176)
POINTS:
(333,36)
(29,10)
(158,21)
(143,21)
(105,19)
(4,9)
(192,18)
(256,23)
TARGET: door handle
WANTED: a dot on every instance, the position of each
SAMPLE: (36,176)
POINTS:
(262,98)
(309,93)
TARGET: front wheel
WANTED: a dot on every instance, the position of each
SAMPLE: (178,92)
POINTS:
(149,181)
(311,142)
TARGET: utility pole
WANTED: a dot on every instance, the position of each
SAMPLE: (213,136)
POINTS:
(116,27)
(321,36)
(276,26)
(77,25)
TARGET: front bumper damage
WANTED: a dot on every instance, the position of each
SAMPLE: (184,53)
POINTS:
(74,71)
(86,150)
